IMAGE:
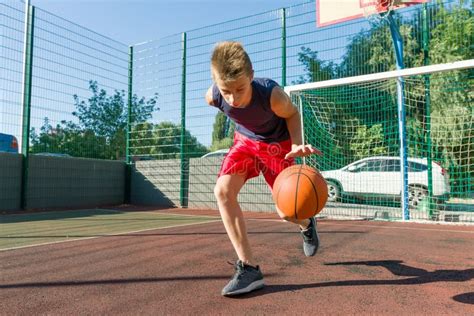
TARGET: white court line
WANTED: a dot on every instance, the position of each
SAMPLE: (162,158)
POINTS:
(358,220)
(188,215)
(217,219)
(104,235)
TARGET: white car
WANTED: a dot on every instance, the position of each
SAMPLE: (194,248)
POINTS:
(380,177)
(217,153)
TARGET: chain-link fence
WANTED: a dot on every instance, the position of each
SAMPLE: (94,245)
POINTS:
(63,97)
(70,92)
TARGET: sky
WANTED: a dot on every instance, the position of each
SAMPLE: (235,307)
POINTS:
(129,22)
(154,19)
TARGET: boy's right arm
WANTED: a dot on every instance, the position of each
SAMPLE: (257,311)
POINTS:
(209,98)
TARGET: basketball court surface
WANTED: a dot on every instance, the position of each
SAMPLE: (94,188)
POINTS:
(178,266)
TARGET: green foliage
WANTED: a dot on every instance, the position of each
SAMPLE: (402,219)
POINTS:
(163,141)
(452,38)
(416,138)
(222,133)
(167,140)
(452,116)
(219,127)
(452,137)
(315,68)
(105,115)
(341,112)
(67,140)
(142,140)
(193,148)
(222,144)
(368,142)
(372,51)
(100,131)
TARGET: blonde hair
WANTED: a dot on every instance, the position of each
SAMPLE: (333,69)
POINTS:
(229,61)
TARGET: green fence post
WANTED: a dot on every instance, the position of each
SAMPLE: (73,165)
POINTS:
(184,181)
(283,47)
(128,165)
(27,81)
(426,62)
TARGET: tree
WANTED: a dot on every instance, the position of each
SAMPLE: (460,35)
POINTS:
(314,68)
(163,141)
(452,110)
(106,116)
(141,140)
(101,128)
(372,51)
(222,132)
(451,38)
(48,140)
(368,142)
(68,140)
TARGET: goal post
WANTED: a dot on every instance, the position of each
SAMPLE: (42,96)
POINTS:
(424,70)
(356,119)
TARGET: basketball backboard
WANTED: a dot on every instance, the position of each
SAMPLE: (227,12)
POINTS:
(330,12)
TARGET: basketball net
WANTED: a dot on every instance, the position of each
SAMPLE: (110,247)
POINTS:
(377,11)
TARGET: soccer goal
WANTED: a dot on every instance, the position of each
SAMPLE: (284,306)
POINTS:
(398,144)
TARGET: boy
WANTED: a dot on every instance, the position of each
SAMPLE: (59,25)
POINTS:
(267,138)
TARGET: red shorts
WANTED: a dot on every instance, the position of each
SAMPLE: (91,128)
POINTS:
(249,157)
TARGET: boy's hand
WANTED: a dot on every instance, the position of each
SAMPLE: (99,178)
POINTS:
(302,151)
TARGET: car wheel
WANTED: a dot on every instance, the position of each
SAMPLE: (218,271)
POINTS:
(440,203)
(415,196)
(334,192)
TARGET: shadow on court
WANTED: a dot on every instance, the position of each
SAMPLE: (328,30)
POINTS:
(123,281)
(418,276)
(467,298)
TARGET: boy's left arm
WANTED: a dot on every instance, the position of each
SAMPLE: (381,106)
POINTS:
(283,107)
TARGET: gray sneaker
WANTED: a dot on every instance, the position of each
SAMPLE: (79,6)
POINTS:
(310,238)
(245,279)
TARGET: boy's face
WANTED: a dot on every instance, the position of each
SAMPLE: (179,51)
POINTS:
(237,93)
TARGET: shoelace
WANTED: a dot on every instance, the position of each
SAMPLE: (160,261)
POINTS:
(239,269)
(308,234)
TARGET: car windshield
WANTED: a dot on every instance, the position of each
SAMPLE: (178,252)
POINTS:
(367,166)
(392,165)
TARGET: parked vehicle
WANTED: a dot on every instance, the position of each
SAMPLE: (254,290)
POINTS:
(53,155)
(8,143)
(217,153)
(380,177)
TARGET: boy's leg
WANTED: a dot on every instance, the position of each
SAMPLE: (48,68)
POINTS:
(247,277)
(303,222)
(308,232)
(238,166)
(227,188)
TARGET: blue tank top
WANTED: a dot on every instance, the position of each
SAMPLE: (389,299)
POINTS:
(256,121)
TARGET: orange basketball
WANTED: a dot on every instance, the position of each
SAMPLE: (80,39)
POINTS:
(300,192)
